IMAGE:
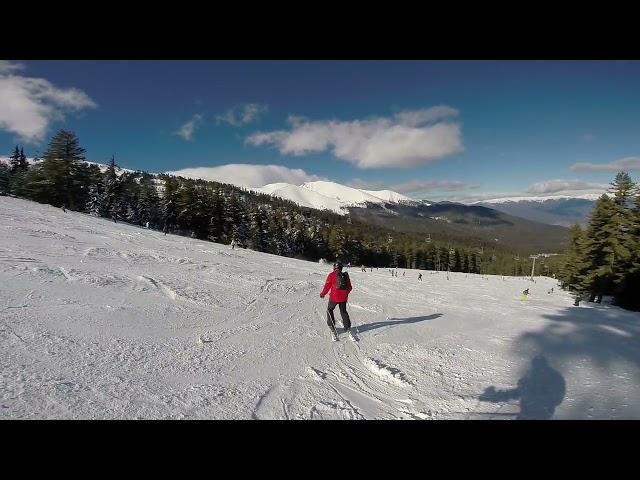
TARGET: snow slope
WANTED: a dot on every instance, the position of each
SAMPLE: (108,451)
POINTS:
(389,196)
(105,320)
(302,196)
(330,195)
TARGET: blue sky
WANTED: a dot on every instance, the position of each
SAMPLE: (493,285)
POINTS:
(458,130)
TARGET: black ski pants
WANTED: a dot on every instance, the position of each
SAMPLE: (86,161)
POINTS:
(331,321)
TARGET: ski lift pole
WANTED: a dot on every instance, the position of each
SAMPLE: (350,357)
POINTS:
(533,267)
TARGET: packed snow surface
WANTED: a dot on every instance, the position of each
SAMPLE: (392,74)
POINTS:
(105,320)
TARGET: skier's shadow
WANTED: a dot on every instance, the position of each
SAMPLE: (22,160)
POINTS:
(396,321)
(540,390)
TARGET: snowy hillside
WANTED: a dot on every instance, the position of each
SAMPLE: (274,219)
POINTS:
(586,196)
(302,196)
(389,196)
(330,195)
(105,320)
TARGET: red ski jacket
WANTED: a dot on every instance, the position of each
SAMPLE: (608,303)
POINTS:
(336,295)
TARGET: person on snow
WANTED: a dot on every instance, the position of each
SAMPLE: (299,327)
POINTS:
(339,284)
(419,276)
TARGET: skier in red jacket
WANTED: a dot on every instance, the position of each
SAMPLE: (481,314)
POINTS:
(340,285)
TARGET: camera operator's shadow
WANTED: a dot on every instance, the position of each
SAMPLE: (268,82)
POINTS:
(540,391)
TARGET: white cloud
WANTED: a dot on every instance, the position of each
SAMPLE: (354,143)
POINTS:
(187,130)
(242,114)
(248,175)
(407,139)
(627,164)
(565,187)
(431,185)
(7,67)
(413,186)
(29,105)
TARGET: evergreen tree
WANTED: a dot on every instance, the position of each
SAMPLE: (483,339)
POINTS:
(622,189)
(170,202)
(572,266)
(258,230)
(60,167)
(338,241)
(598,269)
(18,161)
(621,227)
(148,202)
(95,204)
(628,296)
(4,179)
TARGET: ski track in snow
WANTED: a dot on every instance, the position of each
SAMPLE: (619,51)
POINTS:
(104,320)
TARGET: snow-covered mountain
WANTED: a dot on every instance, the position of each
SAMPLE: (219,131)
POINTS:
(564,210)
(112,321)
(538,199)
(330,195)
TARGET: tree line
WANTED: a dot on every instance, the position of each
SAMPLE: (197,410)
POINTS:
(226,213)
(604,258)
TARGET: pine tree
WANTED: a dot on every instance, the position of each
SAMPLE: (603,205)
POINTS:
(597,271)
(170,202)
(60,167)
(148,202)
(622,190)
(571,268)
(338,241)
(23,164)
(18,161)
(258,231)
(629,285)
(95,205)
(4,179)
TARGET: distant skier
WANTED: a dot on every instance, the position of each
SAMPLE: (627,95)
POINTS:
(525,292)
(233,244)
(403,273)
(147,225)
(339,284)
(164,229)
(420,276)
(64,208)
(363,269)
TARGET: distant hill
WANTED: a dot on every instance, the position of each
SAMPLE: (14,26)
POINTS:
(553,210)
(455,221)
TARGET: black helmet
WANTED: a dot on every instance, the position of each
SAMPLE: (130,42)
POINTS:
(338,265)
